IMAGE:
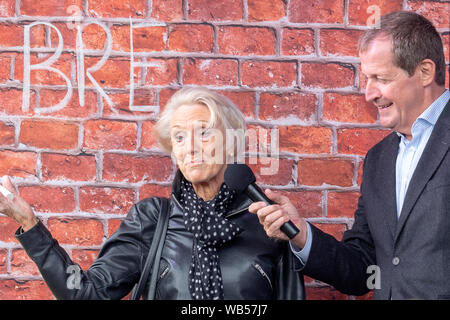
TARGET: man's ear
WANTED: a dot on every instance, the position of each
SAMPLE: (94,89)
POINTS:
(427,71)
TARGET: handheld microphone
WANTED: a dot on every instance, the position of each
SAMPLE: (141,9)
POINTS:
(239,177)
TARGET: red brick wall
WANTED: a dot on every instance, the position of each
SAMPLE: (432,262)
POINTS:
(290,65)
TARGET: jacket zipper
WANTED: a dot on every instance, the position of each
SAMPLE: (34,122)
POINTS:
(163,274)
(263,273)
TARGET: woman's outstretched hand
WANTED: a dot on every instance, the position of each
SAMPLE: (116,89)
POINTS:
(12,205)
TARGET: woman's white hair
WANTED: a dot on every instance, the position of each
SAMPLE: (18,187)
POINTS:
(222,110)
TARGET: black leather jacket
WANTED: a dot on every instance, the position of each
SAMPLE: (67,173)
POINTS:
(252,265)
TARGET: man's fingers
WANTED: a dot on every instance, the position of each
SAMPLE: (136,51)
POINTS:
(255,206)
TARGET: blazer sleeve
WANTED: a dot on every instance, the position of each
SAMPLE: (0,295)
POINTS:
(111,276)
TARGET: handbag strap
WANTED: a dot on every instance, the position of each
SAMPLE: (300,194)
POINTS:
(154,254)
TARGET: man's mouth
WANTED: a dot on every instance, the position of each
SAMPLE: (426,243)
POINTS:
(384,106)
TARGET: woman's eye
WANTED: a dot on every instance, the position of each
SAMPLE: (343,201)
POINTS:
(178,137)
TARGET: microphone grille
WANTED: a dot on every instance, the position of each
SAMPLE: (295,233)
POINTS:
(238,176)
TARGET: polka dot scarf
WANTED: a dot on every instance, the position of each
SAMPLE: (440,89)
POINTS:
(211,230)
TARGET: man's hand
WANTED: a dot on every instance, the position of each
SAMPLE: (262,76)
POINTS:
(272,217)
(15,207)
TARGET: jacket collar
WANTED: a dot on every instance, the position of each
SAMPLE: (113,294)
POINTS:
(239,205)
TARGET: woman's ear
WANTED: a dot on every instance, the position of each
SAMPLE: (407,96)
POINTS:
(427,69)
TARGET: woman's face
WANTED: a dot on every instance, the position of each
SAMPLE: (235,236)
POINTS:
(199,151)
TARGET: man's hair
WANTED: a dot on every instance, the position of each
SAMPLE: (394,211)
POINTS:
(414,39)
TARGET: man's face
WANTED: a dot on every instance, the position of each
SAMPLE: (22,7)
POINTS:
(398,96)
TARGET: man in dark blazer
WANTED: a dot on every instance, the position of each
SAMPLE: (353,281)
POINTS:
(399,244)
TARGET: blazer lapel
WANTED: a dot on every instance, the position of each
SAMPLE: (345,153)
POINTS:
(434,152)
(387,181)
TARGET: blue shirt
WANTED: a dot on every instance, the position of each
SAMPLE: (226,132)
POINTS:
(408,156)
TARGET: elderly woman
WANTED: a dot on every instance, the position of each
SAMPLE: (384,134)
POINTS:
(214,248)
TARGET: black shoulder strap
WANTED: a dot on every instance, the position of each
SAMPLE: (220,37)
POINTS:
(154,255)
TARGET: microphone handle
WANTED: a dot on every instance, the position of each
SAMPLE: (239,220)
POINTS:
(256,194)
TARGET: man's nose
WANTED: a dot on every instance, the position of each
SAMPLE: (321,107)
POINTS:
(372,91)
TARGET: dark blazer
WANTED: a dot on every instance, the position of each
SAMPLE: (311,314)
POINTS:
(413,251)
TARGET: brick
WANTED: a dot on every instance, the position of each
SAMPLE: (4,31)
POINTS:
(191,38)
(206,10)
(144,38)
(167,10)
(18,164)
(246,41)
(68,167)
(219,72)
(11,99)
(117,8)
(106,200)
(358,140)
(319,172)
(109,134)
(115,73)
(337,42)
(348,108)
(316,11)
(37,35)
(163,73)
(81,232)
(3,266)
(244,100)
(5,67)
(358,13)
(360,173)
(327,75)
(302,140)
(22,265)
(262,10)
(84,258)
(49,199)
(272,74)
(148,140)
(342,204)
(25,290)
(307,203)
(121,101)
(432,10)
(7,8)
(113,224)
(72,109)
(324,293)
(48,7)
(297,42)
(49,134)
(271,171)
(276,106)
(8,227)
(130,168)
(164,96)
(258,139)
(446,43)
(154,190)
(44,77)
(6,134)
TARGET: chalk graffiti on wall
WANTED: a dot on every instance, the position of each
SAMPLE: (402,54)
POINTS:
(81,71)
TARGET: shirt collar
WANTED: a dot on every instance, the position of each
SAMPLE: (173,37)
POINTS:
(431,114)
